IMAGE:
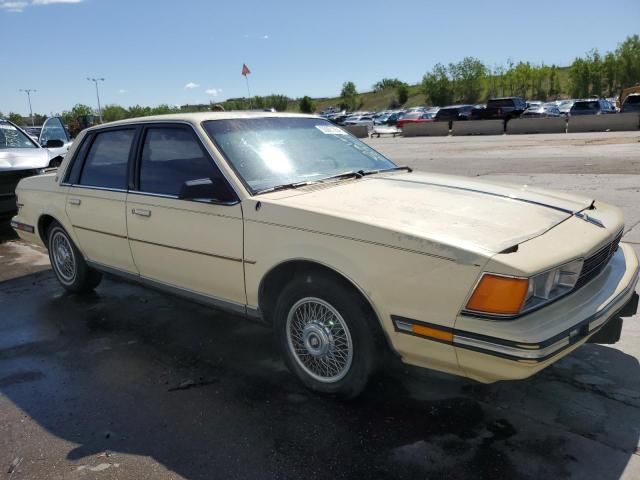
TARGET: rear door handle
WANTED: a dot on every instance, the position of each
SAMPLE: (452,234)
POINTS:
(141,211)
(74,201)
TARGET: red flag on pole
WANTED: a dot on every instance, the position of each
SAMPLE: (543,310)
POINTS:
(245,70)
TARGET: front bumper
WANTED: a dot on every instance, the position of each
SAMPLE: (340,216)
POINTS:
(518,349)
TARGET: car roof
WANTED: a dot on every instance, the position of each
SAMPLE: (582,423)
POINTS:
(198,117)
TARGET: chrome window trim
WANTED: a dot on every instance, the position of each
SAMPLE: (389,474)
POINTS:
(94,187)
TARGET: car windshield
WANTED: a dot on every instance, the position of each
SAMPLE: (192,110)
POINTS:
(635,99)
(11,137)
(270,152)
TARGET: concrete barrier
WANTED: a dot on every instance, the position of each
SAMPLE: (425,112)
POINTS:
(426,129)
(358,131)
(478,127)
(537,125)
(617,122)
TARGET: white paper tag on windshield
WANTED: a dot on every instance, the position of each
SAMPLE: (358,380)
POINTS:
(330,130)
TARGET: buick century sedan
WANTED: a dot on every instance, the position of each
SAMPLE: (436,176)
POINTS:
(290,220)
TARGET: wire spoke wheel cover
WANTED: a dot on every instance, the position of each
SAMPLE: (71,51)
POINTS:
(64,260)
(319,339)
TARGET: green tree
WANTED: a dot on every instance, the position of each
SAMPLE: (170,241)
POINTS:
(387,83)
(402,92)
(15,118)
(554,83)
(437,86)
(628,56)
(277,101)
(139,111)
(349,96)
(307,105)
(610,74)
(468,77)
(79,110)
(111,113)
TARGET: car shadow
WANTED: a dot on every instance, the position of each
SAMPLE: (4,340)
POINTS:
(128,370)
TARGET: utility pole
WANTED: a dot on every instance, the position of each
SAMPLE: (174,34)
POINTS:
(28,92)
(96,80)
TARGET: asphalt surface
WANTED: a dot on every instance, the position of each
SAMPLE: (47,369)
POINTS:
(129,383)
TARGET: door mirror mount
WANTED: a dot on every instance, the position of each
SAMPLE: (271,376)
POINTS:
(54,143)
(202,189)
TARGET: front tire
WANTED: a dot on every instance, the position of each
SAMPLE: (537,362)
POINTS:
(324,330)
(67,262)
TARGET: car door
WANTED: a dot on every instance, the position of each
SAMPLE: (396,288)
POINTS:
(193,245)
(53,129)
(96,199)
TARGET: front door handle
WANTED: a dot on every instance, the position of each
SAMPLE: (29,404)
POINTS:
(141,211)
(74,201)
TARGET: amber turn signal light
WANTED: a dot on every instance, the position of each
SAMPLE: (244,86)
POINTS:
(499,295)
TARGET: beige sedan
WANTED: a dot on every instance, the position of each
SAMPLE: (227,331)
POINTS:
(290,220)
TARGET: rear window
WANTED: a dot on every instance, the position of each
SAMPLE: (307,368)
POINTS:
(107,160)
(594,105)
(632,99)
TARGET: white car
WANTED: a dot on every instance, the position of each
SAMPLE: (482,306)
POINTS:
(366,120)
(21,156)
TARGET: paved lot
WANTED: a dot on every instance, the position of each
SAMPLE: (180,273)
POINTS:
(133,384)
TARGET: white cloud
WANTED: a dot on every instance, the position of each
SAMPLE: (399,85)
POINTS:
(122,90)
(191,86)
(49,2)
(15,7)
(18,6)
(265,37)
(213,92)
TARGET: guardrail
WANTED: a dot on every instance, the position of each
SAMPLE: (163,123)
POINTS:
(425,129)
(358,131)
(615,122)
(536,125)
(582,123)
(478,127)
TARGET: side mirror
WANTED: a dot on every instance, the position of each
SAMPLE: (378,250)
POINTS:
(202,189)
(54,143)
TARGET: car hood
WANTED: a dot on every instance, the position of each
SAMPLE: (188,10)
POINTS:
(457,212)
(23,158)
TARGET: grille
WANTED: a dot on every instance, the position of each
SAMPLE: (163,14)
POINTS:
(9,180)
(594,264)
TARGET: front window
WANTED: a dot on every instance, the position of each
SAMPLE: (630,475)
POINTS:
(269,152)
(11,137)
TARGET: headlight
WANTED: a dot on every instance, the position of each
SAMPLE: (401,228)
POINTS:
(505,296)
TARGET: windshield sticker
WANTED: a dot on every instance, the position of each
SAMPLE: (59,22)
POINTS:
(331,130)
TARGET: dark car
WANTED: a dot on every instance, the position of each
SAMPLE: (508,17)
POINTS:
(631,103)
(595,106)
(454,113)
(501,108)
(394,117)
(542,111)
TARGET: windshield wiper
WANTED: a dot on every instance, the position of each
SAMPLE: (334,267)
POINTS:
(393,169)
(285,186)
(349,174)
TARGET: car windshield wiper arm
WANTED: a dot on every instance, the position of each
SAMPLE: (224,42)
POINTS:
(284,186)
(393,169)
(349,174)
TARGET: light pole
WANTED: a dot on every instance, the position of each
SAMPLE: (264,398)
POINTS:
(28,92)
(96,80)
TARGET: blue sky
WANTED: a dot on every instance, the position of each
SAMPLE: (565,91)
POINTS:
(151,52)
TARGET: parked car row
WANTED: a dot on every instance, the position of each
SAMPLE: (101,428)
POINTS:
(501,108)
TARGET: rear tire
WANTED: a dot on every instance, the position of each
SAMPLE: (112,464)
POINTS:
(325,332)
(67,262)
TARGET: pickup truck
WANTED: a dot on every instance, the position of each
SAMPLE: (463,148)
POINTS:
(501,108)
